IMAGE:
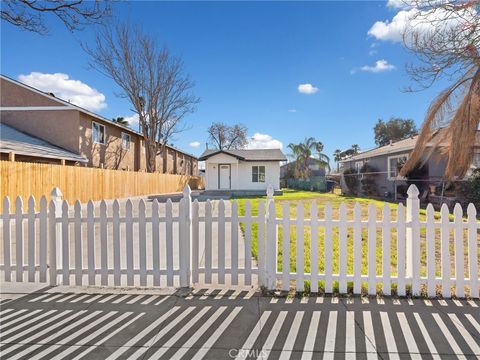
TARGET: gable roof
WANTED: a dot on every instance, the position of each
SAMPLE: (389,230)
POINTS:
(69,105)
(13,140)
(247,154)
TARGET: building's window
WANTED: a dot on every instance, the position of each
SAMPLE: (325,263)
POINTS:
(126,139)
(98,133)
(394,165)
(258,174)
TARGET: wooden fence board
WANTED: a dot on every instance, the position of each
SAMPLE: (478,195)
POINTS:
(83,184)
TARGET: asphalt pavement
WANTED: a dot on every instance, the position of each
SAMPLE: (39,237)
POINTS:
(66,323)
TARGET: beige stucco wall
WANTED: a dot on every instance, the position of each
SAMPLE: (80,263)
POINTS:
(15,95)
(111,154)
(59,127)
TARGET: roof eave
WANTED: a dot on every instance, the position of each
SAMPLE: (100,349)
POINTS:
(205,157)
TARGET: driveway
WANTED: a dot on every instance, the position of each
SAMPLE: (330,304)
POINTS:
(224,324)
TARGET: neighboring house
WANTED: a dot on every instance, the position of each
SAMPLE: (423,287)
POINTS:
(245,170)
(100,141)
(386,161)
(18,146)
(316,170)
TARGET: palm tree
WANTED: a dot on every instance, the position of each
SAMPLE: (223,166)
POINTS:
(120,120)
(451,126)
(355,149)
(337,156)
(450,53)
(304,152)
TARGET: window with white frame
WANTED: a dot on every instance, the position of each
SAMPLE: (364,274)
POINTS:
(394,165)
(126,139)
(258,174)
(98,133)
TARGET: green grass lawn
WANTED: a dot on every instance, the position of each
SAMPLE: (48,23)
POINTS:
(321,199)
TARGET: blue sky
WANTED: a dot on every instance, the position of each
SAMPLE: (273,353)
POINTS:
(248,60)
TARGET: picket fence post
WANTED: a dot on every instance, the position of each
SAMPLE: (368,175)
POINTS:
(413,238)
(271,246)
(185,238)
(56,197)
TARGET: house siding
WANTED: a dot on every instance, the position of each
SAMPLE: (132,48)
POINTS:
(241,173)
(436,165)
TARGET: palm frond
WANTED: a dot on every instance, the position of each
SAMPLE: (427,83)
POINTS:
(450,126)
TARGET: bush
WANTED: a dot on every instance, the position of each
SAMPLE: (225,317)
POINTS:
(469,191)
(369,186)
(351,180)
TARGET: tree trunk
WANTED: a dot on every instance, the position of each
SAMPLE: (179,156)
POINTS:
(151,155)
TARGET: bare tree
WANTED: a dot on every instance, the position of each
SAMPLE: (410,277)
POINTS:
(445,37)
(225,137)
(30,14)
(151,78)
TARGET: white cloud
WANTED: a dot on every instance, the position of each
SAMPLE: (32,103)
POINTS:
(391,30)
(194,144)
(308,89)
(423,22)
(67,89)
(263,141)
(292,110)
(397,4)
(380,66)
(372,52)
(133,122)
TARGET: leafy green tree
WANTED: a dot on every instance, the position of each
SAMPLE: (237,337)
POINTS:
(394,129)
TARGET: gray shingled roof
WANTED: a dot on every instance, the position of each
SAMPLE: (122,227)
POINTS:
(401,146)
(13,140)
(248,155)
(396,147)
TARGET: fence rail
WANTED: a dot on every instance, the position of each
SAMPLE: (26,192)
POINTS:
(153,244)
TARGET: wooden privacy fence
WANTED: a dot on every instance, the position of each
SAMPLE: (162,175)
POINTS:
(83,183)
(189,242)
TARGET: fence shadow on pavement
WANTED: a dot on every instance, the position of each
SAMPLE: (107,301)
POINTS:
(225,323)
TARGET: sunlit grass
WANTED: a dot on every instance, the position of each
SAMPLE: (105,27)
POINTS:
(321,199)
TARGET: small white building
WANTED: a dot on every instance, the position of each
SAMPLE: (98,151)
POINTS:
(243,170)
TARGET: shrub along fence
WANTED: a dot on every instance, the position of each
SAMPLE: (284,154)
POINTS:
(317,183)
(168,246)
(83,183)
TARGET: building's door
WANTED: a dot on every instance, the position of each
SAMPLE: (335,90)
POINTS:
(224,177)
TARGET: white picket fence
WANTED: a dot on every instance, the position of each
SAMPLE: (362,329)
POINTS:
(160,246)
